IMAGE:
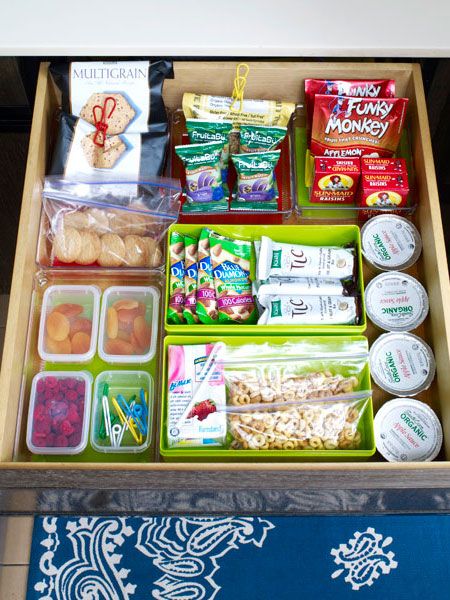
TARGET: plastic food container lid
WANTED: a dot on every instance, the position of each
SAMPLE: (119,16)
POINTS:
(87,296)
(127,383)
(60,422)
(407,430)
(402,364)
(396,302)
(390,243)
(149,296)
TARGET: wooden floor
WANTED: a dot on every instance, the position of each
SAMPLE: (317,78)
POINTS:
(15,544)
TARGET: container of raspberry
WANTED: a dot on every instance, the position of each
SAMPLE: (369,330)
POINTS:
(58,417)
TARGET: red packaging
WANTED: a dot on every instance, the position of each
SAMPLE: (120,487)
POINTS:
(335,180)
(370,164)
(345,127)
(384,189)
(358,88)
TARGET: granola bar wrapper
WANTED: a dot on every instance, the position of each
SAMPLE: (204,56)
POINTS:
(190,279)
(309,310)
(206,293)
(176,283)
(351,127)
(231,269)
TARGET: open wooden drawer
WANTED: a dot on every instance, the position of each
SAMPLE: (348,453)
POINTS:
(281,80)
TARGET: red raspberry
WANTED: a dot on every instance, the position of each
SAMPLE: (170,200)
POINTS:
(43,426)
(39,412)
(71,383)
(81,388)
(73,415)
(66,427)
(75,439)
(61,441)
(50,440)
(77,428)
(40,386)
(71,395)
(50,381)
(39,440)
(49,394)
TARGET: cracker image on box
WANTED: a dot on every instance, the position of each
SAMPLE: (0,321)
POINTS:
(103,156)
(115,110)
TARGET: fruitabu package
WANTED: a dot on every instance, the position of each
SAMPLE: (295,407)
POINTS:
(190,279)
(344,127)
(201,131)
(308,310)
(203,175)
(256,186)
(231,269)
(194,415)
(206,292)
(335,180)
(359,88)
(384,189)
(277,259)
(258,138)
(176,284)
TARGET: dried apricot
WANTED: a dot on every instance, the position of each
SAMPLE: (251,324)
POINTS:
(118,346)
(125,334)
(69,310)
(80,324)
(112,323)
(125,304)
(57,326)
(136,345)
(55,347)
(127,315)
(81,342)
(142,332)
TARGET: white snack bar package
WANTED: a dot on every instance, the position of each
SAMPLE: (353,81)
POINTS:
(194,415)
(308,310)
(294,260)
(311,286)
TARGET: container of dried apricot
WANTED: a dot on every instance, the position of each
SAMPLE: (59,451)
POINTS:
(69,323)
(128,324)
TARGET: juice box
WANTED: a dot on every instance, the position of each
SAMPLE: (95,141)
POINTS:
(335,180)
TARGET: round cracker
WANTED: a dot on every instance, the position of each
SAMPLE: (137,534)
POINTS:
(154,254)
(67,244)
(136,251)
(112,252)
(77,219)
(98,220)
(90,248)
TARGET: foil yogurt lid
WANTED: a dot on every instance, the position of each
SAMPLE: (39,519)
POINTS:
(396,302)
(390,243)
(402,364)
(407,430)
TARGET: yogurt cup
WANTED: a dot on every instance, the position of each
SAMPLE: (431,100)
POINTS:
(402,364)
(396,302)
(407,430)
(390,243)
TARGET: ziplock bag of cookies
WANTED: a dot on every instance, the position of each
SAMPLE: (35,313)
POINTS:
(88,223)
(329,423)
(81,152)
(114,96)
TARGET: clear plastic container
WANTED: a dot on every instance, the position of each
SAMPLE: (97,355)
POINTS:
(58,416)
(128,324)
(68,325)
(127,384)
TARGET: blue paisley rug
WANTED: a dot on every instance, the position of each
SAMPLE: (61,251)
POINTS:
(240,558)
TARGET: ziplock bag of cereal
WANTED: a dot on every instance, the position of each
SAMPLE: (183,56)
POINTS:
(256,187)
(206,292)
(259,138)
(231,268)
(176,284)
(201,131)
(190,279)
(203,176)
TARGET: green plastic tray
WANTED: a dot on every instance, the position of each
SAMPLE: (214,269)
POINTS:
(224,455)
(314,235)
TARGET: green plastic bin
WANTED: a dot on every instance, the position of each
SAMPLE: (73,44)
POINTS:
(313,235)
(217,454)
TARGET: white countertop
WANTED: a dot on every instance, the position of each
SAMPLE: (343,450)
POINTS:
(263,28)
